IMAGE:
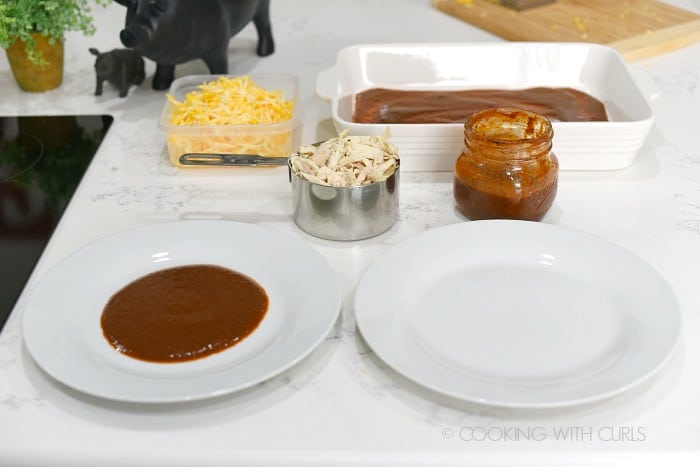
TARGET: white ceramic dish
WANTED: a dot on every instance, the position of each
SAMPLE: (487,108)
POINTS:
(517,314)
(596,69)
(61,322)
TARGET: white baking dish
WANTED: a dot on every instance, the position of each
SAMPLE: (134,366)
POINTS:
(595,69)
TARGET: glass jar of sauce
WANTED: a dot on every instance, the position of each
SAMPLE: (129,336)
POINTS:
(507,169)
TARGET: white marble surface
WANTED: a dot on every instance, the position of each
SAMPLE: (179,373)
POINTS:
(342,406)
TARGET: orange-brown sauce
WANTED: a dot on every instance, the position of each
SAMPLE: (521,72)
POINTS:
(399,106)
(183,313)
(528,204)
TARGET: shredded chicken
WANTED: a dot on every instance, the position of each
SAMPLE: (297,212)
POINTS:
(347,161)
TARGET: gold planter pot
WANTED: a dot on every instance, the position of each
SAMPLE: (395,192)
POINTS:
(30,76)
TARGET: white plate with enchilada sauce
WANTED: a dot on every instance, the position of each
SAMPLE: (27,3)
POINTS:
(517,314)
(62,317)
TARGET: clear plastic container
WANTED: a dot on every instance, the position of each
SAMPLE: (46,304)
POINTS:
(268,140)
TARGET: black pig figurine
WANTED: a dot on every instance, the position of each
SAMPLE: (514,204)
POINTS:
(170,32)
(120,67)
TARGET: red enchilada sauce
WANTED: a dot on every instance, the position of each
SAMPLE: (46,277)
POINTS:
(183,313)
(399,106)
(507,169)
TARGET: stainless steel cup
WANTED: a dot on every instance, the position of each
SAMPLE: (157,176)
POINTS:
(345,213)
(333,213)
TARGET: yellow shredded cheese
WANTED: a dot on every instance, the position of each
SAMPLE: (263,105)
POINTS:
(580,24)
(222,116)
(230,101)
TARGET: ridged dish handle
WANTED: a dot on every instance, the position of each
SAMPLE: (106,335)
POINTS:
(326,84)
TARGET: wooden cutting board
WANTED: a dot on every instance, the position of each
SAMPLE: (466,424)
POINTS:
(636,28)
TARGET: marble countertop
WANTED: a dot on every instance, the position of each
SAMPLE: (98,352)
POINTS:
(342,406)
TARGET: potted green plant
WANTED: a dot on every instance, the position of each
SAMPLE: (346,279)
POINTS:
(32,33)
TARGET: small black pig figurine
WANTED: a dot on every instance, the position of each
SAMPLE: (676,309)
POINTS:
(120,67)
(170,32)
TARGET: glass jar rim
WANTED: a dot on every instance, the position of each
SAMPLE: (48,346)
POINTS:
(516,127)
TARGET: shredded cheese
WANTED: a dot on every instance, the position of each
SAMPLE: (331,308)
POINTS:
(277,144)
(230,101)
(222,116)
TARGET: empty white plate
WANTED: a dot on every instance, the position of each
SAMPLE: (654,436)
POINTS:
(517,314)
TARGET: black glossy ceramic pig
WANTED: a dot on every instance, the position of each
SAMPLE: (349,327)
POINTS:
(170,32)
(120,67)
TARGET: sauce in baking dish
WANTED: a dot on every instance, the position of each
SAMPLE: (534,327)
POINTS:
(183,313)
(380,105)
